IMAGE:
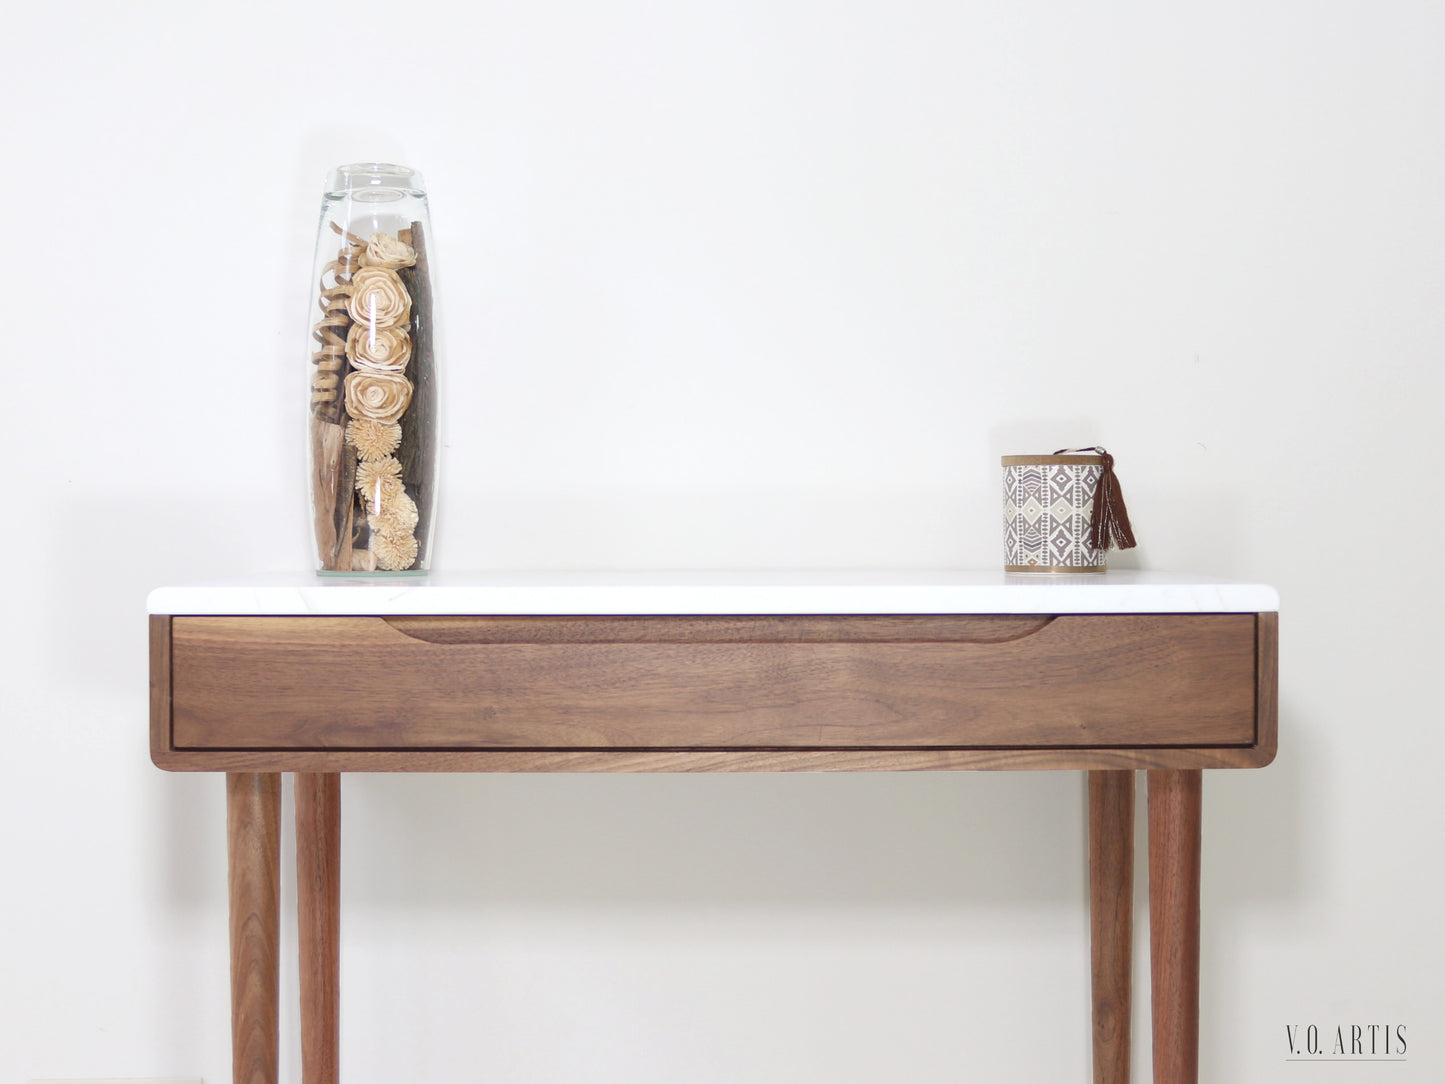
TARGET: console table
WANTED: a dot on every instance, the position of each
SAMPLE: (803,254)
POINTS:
(1106,674)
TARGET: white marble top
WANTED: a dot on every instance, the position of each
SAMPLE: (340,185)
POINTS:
(844,592)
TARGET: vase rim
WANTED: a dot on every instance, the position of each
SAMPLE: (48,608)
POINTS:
(356,176)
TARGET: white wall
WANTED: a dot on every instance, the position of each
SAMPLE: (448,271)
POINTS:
(748,285)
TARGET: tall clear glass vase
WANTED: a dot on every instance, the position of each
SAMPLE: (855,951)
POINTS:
(373,418)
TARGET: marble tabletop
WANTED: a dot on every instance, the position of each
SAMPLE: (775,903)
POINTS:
(678,592)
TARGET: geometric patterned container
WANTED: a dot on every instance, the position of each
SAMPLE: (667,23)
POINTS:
(1048,506)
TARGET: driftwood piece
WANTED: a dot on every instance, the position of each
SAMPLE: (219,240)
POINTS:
(417,453)
(333,482)
(333,462)
(360,528)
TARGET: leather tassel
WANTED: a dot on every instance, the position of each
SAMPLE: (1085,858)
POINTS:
(1110,522)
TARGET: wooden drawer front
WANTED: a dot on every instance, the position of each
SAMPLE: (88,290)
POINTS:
(712,683)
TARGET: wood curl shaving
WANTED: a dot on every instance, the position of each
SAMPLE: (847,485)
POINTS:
(331,330)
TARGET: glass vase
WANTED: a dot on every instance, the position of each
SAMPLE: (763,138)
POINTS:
(373,417)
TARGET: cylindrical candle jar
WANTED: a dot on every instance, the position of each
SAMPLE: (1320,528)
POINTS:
(373,393)
(1048,507)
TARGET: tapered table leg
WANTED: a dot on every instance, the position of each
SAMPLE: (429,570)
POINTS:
(1111,919)
(253,820)
(1175,806)
(318,899)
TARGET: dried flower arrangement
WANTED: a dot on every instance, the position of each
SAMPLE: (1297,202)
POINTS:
(369,426)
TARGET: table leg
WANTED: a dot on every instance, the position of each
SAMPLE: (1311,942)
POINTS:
(253,820)
(1175,807)
(1111,917)
(318,899)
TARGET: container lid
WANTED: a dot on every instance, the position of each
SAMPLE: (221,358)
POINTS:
(1051,460)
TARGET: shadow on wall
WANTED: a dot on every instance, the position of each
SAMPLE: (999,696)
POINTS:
(1005,839)
(1256,857)
(1255,845)
(103,561)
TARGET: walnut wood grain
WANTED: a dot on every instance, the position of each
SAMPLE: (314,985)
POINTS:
(318,908)
(1267,688)
(1175,810)
(358,683)
(1111,920)
(160,653)
(253,819)
(752,628)
(708,760)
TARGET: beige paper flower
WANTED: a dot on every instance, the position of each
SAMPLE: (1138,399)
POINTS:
(382,397)
(384,250)
(379,491)
(379,483)
(378,350)
(378,298)
(398,516)
(371,439)
(394,553)
(369,471)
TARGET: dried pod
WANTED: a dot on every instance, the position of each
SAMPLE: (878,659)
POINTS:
(394,553)
(398,516)
(373,439)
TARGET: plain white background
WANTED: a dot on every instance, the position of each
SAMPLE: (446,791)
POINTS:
(763,284)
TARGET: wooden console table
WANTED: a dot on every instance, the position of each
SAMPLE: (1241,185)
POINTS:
(831,672)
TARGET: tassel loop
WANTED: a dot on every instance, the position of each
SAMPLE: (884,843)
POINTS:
(1109,525)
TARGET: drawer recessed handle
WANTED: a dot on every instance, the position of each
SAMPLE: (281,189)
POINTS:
(756,628)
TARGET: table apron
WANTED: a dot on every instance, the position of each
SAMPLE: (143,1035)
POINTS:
(698,694)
